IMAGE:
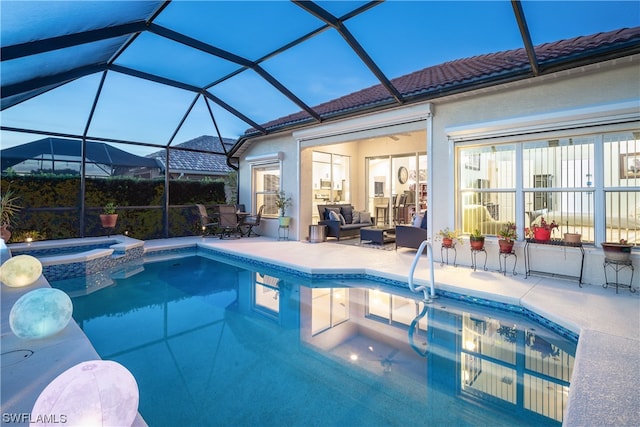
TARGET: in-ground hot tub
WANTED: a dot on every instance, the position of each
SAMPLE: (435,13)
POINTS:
(69,258)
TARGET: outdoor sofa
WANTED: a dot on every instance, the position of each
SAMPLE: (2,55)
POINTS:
(343,220)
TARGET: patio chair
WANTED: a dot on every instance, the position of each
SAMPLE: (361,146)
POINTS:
(228,222)
(206,221)
(252,221)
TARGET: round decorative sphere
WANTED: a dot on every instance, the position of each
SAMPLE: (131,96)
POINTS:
(93,393)
(40,313)
(20,270)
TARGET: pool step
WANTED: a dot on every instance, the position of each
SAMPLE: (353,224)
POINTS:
(78,287)
(124,272)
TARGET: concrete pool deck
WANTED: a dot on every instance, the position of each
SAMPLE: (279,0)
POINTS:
(604,388)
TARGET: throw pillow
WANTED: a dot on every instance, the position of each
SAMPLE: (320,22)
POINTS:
(342,220)
(356,217)
(365,217)
(328,211)
(423,223)
(347,213)
(334,216)
(417,220)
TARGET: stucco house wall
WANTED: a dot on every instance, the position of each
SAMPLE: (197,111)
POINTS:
(605,83)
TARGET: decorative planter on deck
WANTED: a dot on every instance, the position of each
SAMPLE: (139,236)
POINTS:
(541,234)
(572,238)
(506,246)
(620,252)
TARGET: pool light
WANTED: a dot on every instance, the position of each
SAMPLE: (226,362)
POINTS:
(40,313)
(93,393)
(20,270)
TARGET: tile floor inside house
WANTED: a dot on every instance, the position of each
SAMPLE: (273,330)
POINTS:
(604,387)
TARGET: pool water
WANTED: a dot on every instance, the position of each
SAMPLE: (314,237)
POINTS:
(212,343)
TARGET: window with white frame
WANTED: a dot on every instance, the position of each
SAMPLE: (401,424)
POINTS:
(621,151)
(266,184)
(487,187)
(587,184)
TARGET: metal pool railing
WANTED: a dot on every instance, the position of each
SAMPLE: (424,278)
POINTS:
(412,270)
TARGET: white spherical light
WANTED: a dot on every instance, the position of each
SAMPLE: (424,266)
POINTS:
(40,313)
(21,270)
(93,393)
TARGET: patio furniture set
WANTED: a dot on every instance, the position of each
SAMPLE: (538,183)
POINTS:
(227,221)
(343,221)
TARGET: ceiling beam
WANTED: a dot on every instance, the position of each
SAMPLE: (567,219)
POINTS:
(61,42)
(526,36)
(220,53)
(339,26)
(154,78)
(233,111)
(51,80)
(180,85)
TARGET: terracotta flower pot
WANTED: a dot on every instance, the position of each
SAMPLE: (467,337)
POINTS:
(5,234)
(506,246)
(617,251)
(447,242)
(108,221)
(572,238)
(477,243)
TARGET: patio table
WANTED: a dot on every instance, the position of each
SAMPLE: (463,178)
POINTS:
(377,234)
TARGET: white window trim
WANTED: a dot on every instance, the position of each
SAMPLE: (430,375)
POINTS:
(367,123)
(258,161)
(604,114)
(265,158)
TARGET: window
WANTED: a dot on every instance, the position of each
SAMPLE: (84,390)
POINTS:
(558,184)
(394,309)
(329,308)
(266,184)
(487,183)
(267,294)
(562,179)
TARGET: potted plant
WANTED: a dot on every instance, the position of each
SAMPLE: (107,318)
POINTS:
(8,212)
(476,240)
(449,237)
(620,251)
(109,216)
(507,236)
(572,238)
(282,202)
(542,232)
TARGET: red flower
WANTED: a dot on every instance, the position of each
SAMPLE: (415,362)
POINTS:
(546,225)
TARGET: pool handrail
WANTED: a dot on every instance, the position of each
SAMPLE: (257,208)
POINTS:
(423,288)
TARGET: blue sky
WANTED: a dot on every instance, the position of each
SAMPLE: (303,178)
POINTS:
(401,36)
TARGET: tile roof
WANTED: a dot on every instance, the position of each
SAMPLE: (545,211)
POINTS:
(469,73)
(196,161)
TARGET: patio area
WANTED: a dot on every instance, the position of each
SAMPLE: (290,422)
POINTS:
(604,389)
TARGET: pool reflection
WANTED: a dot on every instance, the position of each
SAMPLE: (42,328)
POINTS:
(376,345)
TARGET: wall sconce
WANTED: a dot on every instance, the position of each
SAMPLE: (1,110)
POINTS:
(40,313)
(20,270)
(96,393)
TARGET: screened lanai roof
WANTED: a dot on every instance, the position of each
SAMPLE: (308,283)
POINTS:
(155,74)
(61,149)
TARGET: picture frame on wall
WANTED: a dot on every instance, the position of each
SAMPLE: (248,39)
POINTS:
(630,165)
(472,161)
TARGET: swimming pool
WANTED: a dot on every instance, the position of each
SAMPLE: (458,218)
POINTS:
(212,343)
